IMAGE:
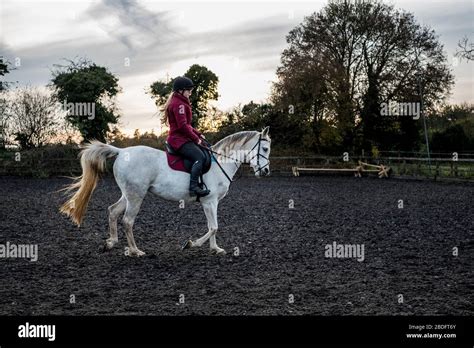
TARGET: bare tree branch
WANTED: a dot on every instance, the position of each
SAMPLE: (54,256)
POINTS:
(465,49)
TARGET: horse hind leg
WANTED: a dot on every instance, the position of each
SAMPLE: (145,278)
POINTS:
(114,211)
(134,202)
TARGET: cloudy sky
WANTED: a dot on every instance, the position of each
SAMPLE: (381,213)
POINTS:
(240,41)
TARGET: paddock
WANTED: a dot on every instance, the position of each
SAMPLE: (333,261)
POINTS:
(275,231)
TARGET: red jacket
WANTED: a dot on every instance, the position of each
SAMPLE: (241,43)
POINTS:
(179,118)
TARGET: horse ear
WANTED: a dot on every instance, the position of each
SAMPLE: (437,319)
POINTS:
(265,131)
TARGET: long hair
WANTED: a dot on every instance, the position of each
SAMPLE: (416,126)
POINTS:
(164,110)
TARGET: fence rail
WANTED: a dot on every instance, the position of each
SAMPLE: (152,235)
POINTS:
(43,165)
(461,168)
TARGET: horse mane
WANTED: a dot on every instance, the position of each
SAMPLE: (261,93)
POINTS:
(229,140)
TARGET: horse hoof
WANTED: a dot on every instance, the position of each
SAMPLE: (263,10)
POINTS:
(219,251)
(137,253)
(108,244)
(188,244)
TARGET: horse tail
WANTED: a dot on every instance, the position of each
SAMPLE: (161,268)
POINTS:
(93,161)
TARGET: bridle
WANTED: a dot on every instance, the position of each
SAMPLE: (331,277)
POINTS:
(258,155)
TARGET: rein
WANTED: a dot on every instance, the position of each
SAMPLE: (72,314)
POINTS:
(212,152)
(258,155)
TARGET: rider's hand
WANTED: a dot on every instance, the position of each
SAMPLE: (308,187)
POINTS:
(200,142)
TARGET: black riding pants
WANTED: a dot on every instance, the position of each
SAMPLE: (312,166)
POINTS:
(193,152)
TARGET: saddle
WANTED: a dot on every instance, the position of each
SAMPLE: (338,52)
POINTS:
(177,162)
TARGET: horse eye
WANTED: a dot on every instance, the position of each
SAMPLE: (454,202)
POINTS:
(265,149)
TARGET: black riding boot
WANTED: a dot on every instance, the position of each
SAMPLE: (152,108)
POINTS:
(194,189)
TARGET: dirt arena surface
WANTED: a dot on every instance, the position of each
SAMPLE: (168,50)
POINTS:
(407,251)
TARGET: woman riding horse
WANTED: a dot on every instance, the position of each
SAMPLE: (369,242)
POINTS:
(183,138)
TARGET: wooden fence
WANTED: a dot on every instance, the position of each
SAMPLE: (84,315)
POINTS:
(44,165)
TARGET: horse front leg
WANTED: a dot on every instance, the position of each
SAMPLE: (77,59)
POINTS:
(211,215)
(210,209)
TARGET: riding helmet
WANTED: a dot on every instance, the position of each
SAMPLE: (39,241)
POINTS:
(182,82)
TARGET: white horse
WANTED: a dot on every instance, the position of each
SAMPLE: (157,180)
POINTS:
(139,169)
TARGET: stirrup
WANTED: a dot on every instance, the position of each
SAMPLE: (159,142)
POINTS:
(202,192)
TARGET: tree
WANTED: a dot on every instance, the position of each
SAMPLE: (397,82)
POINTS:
(343,62)
(318,80)
(35,116)
(3,71)
(255,116)
(4,118)
(205,82)
(160,91)
(447,115)
(452,139)
(84,84)
(303,100)
(136,134)
(205,90)
(399,55)
(453,128)
(465,49)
